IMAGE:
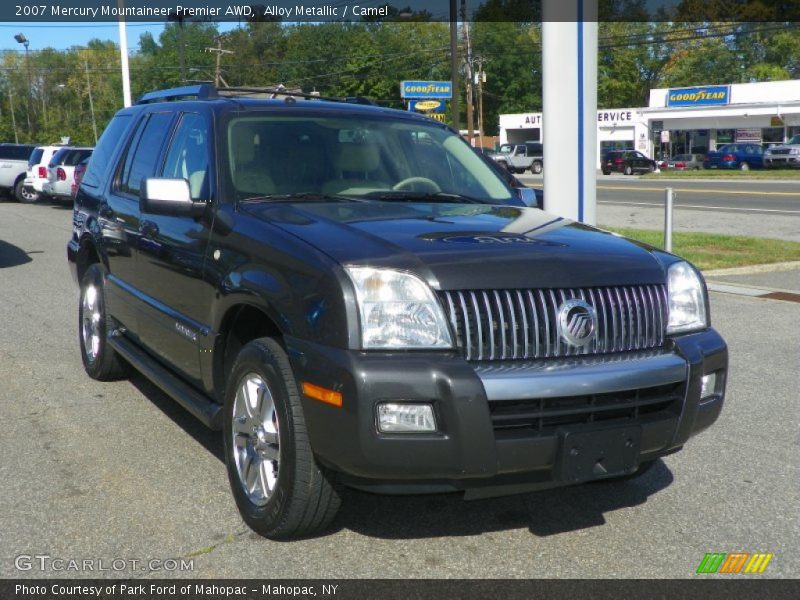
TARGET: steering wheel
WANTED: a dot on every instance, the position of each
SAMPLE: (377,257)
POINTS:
(417,184)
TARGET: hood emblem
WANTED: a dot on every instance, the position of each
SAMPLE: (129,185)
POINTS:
(577,322)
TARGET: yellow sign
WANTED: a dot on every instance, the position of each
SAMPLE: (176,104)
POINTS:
(776,121)
(436,116)
(427,105)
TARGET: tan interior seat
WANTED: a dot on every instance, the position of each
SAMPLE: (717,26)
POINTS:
(250,174)
(355,165)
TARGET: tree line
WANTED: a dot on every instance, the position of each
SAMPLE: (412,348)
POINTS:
(47,93)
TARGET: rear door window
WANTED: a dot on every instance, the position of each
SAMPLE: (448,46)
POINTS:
(143,154)
(105,150)
(36,156)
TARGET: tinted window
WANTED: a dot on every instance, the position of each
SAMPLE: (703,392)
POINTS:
(73,156)
(188,155)
(104,151)
(58,157)
(143,153)
(14,152)
(35,157)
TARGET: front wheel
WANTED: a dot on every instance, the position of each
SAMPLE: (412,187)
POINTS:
(23,194)
(279,489)
(536,167)
(628,170)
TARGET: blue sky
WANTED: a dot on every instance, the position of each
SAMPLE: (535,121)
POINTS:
(64,35)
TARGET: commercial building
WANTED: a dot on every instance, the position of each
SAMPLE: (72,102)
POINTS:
(681,120)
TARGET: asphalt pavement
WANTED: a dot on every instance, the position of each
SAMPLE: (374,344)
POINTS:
(118,471)
(760,208)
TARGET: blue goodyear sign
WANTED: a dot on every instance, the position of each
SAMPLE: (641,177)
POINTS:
(699,96)
(426,106)
(426,89)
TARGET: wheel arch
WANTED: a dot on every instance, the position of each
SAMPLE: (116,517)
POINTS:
(241,323)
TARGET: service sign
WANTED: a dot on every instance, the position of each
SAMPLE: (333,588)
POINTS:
(426,89)
(708,95)
(426,106)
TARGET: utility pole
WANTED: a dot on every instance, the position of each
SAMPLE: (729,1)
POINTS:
(467,71)
(454,65)
(13,118)
(218,69)
(21,39)
(91,100)
(480,79)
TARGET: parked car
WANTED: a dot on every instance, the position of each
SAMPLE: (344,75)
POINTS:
(683,162)
(61,171)
(742,156)
(36,175)
(627,162)
(518,158)
(355,298)
(13,167)
(77,175)
(783,155)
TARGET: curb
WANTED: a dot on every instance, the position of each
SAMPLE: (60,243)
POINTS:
(753,269)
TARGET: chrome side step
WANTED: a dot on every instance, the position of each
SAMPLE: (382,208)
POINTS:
(209,412)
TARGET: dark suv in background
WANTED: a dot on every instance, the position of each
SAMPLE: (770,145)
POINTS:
(627,162)
(354,296)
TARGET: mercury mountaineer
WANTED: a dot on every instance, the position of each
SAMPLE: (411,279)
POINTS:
(355,297)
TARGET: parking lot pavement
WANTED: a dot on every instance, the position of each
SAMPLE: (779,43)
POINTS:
(105,471)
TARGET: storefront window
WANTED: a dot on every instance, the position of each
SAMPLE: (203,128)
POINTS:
(725,136)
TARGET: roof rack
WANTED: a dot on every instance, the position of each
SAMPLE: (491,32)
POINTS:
(207,91)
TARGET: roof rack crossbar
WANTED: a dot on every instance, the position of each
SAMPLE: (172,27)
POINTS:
(203,91)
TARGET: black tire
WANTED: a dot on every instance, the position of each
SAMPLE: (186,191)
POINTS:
(536,167)
(24,195)
(304,498)
(101,361)
(651,168)
(606,172)
(628,170)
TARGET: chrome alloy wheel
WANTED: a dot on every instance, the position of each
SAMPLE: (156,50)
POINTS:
(91,315)
(255,437)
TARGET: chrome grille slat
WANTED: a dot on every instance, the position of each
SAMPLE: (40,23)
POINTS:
(522,324)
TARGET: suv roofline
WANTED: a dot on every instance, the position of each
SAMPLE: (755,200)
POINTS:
(206,91)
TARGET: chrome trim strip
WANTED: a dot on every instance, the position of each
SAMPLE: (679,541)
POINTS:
(579,376)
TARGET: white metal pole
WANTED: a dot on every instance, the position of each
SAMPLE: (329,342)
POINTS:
(123,57)
(668,219)
(569,116)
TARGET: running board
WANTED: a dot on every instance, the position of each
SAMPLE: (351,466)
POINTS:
(209,413)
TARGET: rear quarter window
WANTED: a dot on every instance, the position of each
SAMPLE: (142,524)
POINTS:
(35,157)
(112,137)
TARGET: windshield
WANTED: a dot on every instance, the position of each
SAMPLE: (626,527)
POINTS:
(314,157)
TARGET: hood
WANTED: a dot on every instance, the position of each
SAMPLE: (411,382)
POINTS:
(468,246)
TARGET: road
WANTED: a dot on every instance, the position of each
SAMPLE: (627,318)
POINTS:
(759,207)
(108,471)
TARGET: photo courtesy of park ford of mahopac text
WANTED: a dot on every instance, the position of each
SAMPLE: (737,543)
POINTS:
(398,299)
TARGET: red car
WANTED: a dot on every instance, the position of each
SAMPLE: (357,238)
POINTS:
(80,169)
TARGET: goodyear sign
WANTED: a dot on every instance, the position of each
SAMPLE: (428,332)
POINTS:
(699,96)
(426,89)
(426,106)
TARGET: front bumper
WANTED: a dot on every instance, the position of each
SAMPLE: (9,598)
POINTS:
(782,160)
(502,427)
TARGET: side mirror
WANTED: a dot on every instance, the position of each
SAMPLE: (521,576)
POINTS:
(530,196)
(163,196)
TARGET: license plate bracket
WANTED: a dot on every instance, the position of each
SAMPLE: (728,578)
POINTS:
(599,453)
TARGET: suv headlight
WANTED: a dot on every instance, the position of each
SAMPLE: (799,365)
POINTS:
(398,310)
(767,152)
(794,151)
(687,302)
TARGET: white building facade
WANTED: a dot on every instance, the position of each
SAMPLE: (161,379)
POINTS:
(684,120)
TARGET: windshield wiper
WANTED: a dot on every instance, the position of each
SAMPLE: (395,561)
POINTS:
(410,196)
(301,197)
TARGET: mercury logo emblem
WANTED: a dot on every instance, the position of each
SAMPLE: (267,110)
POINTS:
(576,322)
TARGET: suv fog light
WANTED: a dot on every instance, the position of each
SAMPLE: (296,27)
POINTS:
(709,386)
(394,417)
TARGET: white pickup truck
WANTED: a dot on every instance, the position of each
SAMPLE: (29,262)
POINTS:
(13,166)
(518,158)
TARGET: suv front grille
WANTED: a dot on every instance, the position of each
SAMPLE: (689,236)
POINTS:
(781,151)
(544,415)
(522,324)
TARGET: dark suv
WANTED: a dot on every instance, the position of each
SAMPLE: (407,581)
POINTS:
(355,297)
(627,162)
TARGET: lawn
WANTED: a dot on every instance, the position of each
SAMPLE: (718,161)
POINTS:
(710,251)
(777,174)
